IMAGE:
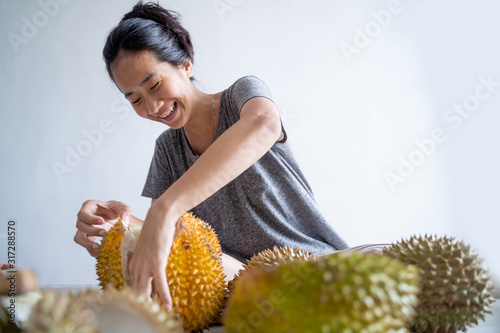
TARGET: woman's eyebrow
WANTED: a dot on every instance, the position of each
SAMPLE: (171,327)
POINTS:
(146,79)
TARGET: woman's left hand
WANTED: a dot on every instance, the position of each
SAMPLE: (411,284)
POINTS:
(150,258)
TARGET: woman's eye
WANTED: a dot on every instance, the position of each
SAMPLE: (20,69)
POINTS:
(136,101)
(156,85)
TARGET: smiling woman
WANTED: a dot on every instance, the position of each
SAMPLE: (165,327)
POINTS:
(225,157)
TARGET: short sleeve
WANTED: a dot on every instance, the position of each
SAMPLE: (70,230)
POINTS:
(159,179)
(248,87)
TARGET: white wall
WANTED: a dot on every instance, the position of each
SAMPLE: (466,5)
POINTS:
(349,118)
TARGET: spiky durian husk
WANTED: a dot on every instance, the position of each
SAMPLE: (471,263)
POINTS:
(194,269)
(122,311)
(456,292)
(60,313)
(194,274)
(269,257)
(109,265)
(334,293)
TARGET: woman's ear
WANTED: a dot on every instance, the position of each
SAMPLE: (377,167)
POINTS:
(187,67)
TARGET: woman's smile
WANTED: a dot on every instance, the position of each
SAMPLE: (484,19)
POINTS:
(156,90)
(169,114)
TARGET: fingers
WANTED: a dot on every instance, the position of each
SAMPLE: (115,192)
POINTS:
(144,272)
(161,285)
(88,213)
(143,285)
(122,210)
(88,242)
(95,219)
(93,230)
(140,279)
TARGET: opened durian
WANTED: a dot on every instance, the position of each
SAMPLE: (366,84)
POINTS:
(456,292)
(122,311)
(60,313)
(270,257)
(94,310)
(194,268)
(334,293)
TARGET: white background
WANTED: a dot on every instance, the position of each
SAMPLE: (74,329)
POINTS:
(350,119)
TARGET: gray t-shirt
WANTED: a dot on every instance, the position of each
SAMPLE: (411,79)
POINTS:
(269,204)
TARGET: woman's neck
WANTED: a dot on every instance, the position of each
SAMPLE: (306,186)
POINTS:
(202,124)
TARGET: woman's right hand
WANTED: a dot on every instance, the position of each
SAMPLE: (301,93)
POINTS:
(95,218)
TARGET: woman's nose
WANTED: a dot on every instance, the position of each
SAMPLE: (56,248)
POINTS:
(154,106)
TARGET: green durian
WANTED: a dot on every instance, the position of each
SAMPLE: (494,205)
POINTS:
(455,290)
(270,257)
(335,293)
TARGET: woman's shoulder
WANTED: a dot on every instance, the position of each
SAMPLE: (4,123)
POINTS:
(248,81)
(247,87)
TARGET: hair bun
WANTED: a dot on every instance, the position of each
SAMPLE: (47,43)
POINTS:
(168,19)
(148,26)
(152,11)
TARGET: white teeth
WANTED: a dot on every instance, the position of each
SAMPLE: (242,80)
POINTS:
(169,111)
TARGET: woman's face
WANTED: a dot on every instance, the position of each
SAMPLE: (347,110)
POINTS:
(156,90)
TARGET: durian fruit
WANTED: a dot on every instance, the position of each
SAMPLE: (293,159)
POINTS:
(94,310)
(275,256)
(455,293)
(109,265)
(60,313)
(356,293)
(122,311)
(194,274)
(194,269)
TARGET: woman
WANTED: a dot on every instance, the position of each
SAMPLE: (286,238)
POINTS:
(224,157)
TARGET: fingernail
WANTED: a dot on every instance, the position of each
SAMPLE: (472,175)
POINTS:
(95,246)
(102,232)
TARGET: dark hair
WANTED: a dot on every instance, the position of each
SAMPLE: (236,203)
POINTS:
(148,26)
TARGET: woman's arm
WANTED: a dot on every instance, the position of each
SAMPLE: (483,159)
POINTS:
(233,152)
